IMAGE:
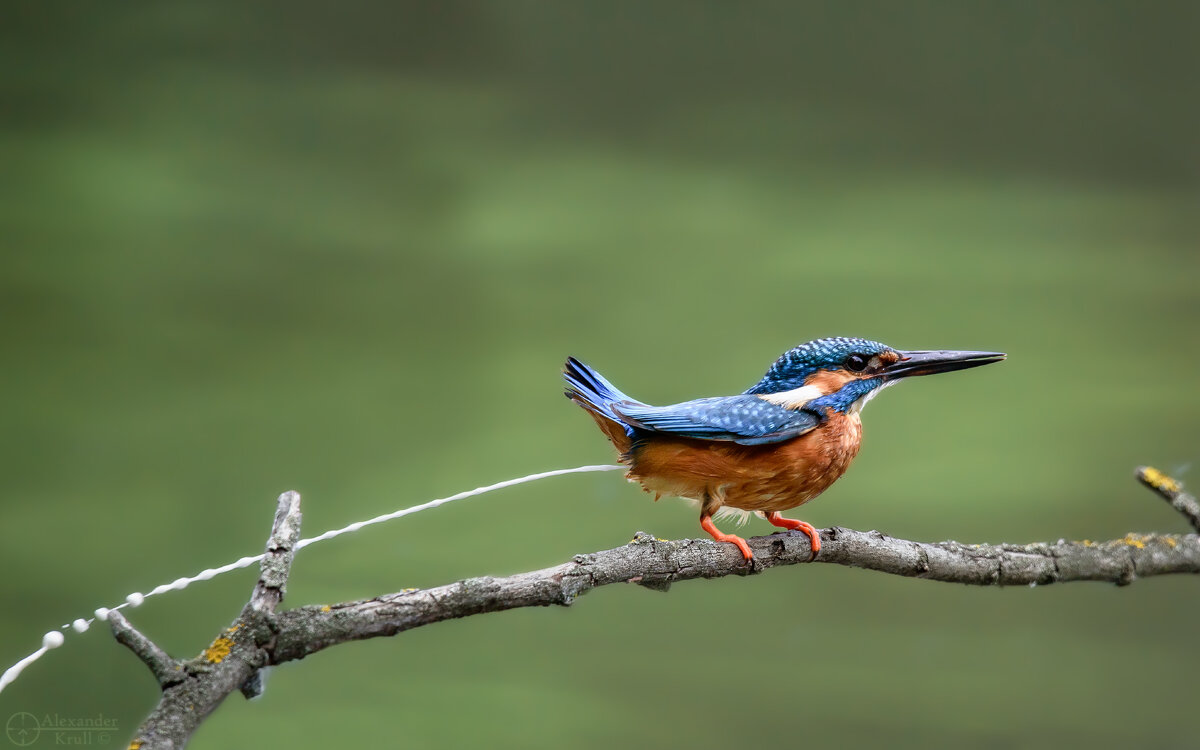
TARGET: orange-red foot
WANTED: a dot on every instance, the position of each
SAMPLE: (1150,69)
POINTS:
(789,523)
(707,524)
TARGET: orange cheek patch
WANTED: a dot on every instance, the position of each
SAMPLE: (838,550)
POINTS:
(830,381)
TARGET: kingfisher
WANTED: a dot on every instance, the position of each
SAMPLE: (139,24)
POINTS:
(769,449)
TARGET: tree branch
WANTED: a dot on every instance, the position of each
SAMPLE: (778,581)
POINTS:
(261,638)
(657,564)
(1172,491)
(165,669)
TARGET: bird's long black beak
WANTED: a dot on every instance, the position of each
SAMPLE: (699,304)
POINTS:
(929,363)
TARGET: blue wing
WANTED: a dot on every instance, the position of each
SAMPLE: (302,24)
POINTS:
(745,419)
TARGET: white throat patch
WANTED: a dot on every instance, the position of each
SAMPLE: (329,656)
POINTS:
(861,402)
(793,399)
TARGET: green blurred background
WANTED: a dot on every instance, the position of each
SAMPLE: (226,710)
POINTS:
(344,248)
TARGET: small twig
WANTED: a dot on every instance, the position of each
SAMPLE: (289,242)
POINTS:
(165,669)
(1172,491)
(277,565)
(272,580)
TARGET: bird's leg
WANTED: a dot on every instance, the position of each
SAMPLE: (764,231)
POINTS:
(707,508)
(791,524)
(707,524)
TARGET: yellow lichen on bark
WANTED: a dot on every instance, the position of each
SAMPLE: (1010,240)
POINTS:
(1133,540)
(219,649)
(1160,481)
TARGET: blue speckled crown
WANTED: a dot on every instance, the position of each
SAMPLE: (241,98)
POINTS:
(795,365)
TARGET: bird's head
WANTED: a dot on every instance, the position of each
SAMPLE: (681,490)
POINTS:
(844,373)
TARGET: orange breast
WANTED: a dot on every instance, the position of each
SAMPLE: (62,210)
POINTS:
(750,477)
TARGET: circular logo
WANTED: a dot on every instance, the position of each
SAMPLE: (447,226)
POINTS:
(22,728)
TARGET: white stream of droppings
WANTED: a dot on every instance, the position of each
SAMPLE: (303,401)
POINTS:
(54,638)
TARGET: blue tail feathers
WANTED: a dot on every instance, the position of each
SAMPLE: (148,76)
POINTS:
(590,390)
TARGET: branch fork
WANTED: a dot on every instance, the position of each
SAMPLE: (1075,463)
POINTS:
(193,688)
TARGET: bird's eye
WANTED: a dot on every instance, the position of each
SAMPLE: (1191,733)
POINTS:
(856,362)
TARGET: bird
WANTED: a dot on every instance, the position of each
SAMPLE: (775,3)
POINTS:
(769,449)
